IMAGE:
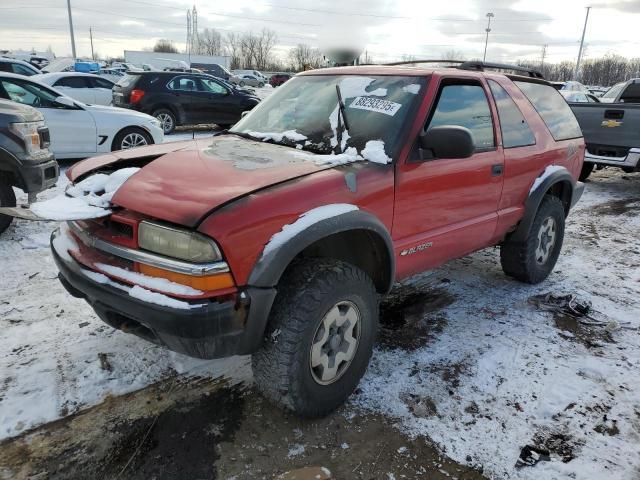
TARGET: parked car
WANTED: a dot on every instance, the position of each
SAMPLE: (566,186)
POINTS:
(611,132)
(245,79)
(183,99)
(256,73)
(11,65)
(79,130)
(579,97)
(25,159)
(277,237)
(213,69)
(278,79)
(113,75)
(85,87)
(623,92)
(570,86)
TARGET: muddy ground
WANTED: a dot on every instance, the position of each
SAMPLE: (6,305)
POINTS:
(203,429)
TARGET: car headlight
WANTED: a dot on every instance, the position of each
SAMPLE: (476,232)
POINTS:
(175,243)
(28,132)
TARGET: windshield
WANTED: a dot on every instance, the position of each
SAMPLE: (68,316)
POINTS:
(304,112)
(614,91)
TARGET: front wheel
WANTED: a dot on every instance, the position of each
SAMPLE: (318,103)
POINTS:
(260,85)
(320,337)
(532,260)
(131,138)
(7,199)
(242,84)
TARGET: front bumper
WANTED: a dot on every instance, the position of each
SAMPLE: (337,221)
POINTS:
(40,176)
(578,190)
(208,329)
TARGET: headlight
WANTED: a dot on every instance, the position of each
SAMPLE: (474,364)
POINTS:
(28,132)
(181,244)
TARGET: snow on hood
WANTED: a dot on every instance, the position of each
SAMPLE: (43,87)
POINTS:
(90,198)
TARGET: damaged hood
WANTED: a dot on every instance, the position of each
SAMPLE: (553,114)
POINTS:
(181,182)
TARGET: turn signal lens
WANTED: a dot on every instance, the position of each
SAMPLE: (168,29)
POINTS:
(216,281)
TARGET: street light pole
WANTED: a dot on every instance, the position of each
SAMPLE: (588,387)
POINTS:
(486,40)
(584,31)
(73,40)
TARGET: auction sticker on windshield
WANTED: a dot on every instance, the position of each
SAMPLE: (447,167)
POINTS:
(376,105)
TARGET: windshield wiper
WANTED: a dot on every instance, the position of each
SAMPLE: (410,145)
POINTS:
(341,114)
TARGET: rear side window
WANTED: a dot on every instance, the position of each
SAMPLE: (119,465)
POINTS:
(71,82)
(515,129)
(100,83)
(22,70)
(465,106)
(631,94)
(553,109)
(128,80)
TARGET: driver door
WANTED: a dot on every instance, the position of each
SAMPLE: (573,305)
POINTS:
(72,129)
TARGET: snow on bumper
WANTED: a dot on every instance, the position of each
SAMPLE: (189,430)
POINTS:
(211,328)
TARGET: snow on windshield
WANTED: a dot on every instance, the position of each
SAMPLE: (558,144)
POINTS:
(278,137)
(90,198)
(414,88)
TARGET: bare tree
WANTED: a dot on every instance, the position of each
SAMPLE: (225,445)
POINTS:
(303,57)
(165,46)
(210,42)
(232,47)
(249,49)
(453,55)
(264,46)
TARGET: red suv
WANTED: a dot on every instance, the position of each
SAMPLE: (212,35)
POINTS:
(278,79)
(276,238)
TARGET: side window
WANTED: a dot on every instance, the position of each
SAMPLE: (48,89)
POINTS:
(183,83)
(466,106)
(631,94)
(5,67)
(515,129)
(21,69)
(29,94)
(100,83)
(71,82)
(614,91)
(553,109)
(212,87)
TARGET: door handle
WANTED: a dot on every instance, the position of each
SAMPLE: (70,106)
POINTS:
(497,169)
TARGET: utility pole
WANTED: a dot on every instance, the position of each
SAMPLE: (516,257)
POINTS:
(93,57)
(486,40)
(73,40)
(544,54)
(584,31)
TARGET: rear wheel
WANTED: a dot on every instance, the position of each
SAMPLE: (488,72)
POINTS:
(260,85)
(7,199)
(532,260)
(131,138)
(587,168)
(242,84)
(320,337)
(167,120)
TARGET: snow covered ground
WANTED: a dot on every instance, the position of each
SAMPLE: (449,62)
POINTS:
(465,360)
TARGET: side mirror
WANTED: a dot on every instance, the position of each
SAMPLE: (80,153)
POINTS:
(66,102)
(446,141)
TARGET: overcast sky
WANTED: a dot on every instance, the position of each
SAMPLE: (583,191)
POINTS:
(387,28)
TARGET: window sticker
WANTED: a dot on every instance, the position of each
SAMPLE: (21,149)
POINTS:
(376,105)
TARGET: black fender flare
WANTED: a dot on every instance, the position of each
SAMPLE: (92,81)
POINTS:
(271,265)
(10,169)
(559,176)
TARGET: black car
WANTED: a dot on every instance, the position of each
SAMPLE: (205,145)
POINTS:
(183,98)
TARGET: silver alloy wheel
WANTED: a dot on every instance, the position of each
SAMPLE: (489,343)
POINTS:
(133,139)
(335,343)
(165,121)
(546,240)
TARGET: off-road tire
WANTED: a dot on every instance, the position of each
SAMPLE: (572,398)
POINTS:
(118,139)
(7,199)
(306,293)
(587,168)
(518,259)
(166,111)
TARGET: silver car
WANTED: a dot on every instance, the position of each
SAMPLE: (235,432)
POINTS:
(244,79)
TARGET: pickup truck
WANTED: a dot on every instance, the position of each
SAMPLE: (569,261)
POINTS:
(611,129)
(277,237)
(25,159)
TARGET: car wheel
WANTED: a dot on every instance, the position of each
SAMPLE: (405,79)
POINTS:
(320,337)
(167,120)
(131,138)
(242,84)
(587,168)
(260,85)
(531,261)
(7,199)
